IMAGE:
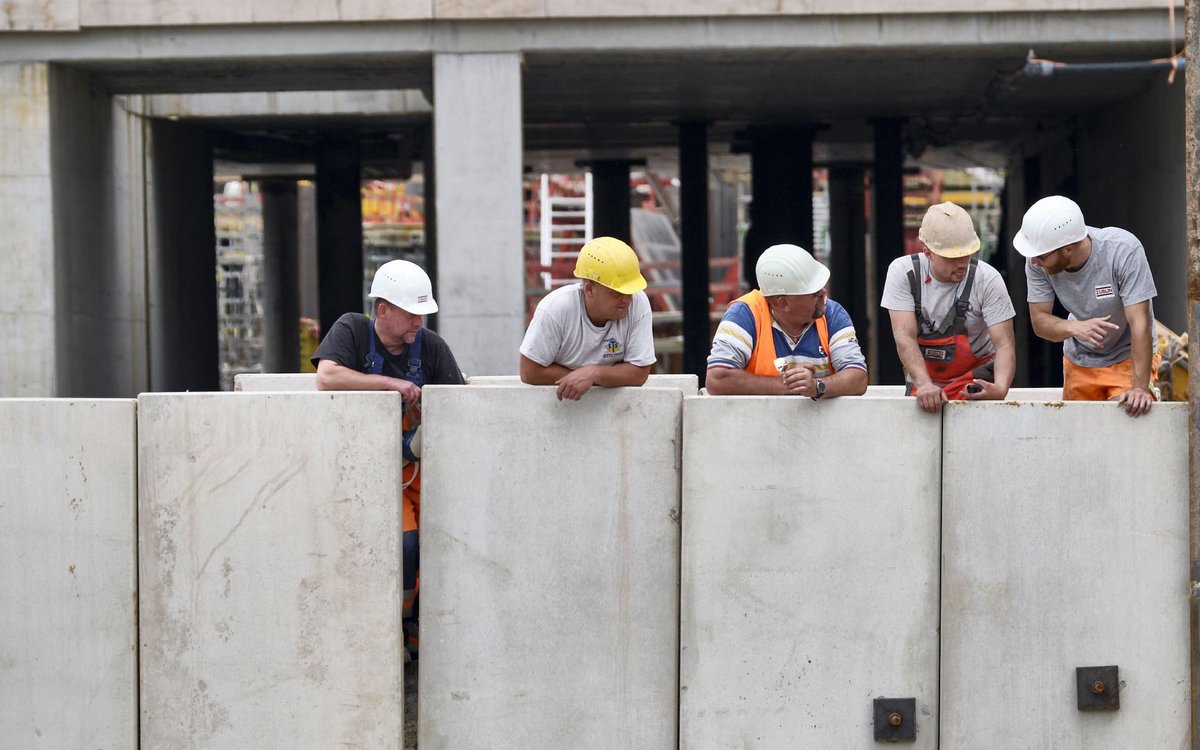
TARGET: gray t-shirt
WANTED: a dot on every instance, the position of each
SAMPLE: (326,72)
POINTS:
(1115,276)
(989,303)
(561,333)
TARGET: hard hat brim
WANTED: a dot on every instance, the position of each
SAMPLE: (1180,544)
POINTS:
(1024,246)
(957,252)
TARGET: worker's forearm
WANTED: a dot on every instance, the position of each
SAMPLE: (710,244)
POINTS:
(535,374)
(1142,353)
(914,364)
(726,381)
(1051,327)
(345,379)
(1005,366)
(848,382)
(620,374)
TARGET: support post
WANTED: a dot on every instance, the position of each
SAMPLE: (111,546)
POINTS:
(693,202)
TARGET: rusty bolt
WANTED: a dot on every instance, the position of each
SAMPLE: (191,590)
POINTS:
(895,719)
(1098,687)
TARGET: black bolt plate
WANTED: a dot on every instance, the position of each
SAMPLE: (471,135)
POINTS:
(907,731)
(1086,677)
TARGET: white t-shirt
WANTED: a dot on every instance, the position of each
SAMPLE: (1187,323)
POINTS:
(989,303)
(561,333)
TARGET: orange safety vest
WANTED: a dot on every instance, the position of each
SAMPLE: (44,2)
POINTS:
(762,358)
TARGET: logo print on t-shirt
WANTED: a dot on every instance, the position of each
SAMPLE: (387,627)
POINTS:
(612,345)
(1104,291)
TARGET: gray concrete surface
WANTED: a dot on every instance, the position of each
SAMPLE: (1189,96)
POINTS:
(1064,545)
(549,570)
(477,129)
(269,533)
(810,570)
(68,574)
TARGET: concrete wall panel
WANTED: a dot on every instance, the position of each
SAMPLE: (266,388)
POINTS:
(68,668)
(1065,545)
(688,384)
(269,529)
(549,578)
(810,570)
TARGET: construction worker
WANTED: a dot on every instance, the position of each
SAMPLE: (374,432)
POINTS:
(1101,277)
(595,332)
(393,352)
(787,337)
(951,315)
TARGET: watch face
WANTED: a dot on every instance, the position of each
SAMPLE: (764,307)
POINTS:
(821,387)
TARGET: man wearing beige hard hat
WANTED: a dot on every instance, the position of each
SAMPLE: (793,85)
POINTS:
(951,314)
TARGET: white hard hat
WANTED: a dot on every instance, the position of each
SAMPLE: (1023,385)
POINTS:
(405,285)
(1053,222)
(789,269)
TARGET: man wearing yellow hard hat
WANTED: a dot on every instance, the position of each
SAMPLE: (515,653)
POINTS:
(595,332)
(951,314)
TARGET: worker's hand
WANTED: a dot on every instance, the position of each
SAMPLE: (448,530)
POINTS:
(410,392)
(1136,400)
(987,391)
(1093,331)
(799,380)
(930,398)
(574,384)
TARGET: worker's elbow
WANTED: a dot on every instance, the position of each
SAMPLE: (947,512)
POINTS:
(858,383)
(640,376)
(715,381)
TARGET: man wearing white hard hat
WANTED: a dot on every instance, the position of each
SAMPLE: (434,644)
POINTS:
(787,337)
(393,351)
(596,332)
(1103,280)
(951,314)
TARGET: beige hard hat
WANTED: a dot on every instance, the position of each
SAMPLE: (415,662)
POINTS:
(947,230)
(789,269)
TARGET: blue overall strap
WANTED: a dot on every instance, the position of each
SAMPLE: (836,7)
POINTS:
(374,362)
(413,371)
(415,375)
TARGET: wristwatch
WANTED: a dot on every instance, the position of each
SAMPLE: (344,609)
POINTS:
(820,389)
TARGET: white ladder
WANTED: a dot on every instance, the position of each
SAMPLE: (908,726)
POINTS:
(566,224)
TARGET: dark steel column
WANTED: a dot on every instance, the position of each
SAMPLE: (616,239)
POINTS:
(848,241)
(1192,150)
(888,207)
(339,230)
(781,190)
(610,196)
(693,234)
(281,276)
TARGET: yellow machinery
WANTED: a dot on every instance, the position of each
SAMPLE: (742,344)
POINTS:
(1172,375)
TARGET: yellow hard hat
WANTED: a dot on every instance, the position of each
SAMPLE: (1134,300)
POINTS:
(611,263)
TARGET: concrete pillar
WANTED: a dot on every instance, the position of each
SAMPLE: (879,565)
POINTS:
(339,230)
(280,300)
(477,164)
(848,242)
(306,243)
(781,187)
(182,240)
(693,214)
(27,267)
(610,196)
(887,205)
